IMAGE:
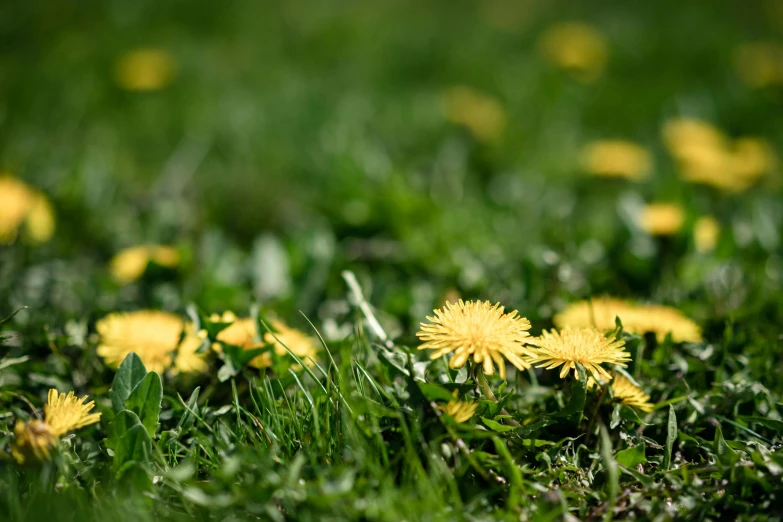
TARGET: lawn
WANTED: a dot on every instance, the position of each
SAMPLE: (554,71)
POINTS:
(394,260)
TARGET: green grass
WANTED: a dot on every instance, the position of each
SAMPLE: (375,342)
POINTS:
(302,139)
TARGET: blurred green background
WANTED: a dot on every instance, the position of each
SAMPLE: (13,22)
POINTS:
(277,143)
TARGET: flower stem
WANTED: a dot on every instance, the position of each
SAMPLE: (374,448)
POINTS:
(487,391)
(594,416)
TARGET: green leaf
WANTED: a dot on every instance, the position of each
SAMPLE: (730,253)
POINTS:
(612,473)
(632,457)
(496,426)
(145,401)
(119,427)
(772,424)
(128,376)
(671,436)
(726,456)
(578,393)
(433,392)
(135,446)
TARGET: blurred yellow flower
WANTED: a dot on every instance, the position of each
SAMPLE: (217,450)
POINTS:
(706,231)
(576,47)
(600,312)
(616,159)
(586,346)
(661,219)
(145,70)
(129,264)
(482,115)
(630,394)
(242,332)
(760,64)
(478,329)
(62,413)
(21,205)
(705,155)
(152,335)
(460,411)
(302,345)
(188,360)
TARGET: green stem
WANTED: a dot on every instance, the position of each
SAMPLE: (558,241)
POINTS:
(487,391)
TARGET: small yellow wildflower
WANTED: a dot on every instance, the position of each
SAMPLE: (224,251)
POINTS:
(21,205)
(129,265)
(661,219)
(587,346)
(600,313)
(145,70)
(630,394)
(706,231)
(576,47)
(616,159)
(62,414)
(460,411)
(752,157)
(478,329)
(482,115)
(760,64)
(152,335)
(302,345)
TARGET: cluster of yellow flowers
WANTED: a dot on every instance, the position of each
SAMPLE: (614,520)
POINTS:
(129,264)
(163,341)
(705,155)
(22,206)
(483,332)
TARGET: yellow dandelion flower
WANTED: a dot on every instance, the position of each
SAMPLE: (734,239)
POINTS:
(587,346)
(706,231)
(630,394)
(21,205)
(152,335)
(242,332)
(576,47)
(616,159)
(760,64)
(751,158)
(664,320)
(129,264)
(478,329)
(301,344)
(145,70)
(600,313)
(661,219)
(188,360)
(460,411)
(482,115)
(62,414)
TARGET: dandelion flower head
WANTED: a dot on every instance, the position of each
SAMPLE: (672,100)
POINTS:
(616,159)
(576,47)
(706,232)
(21,205)
(301,344)
(481,114)
(152,335)
(586,346)
(630,394)
(460,411)
(62,414)
(129,264)
(661,219)
(478,329)
(145,70)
